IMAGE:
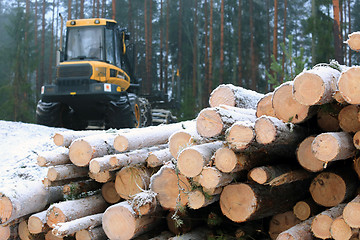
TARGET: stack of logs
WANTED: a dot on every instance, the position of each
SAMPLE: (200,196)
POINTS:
(289,156)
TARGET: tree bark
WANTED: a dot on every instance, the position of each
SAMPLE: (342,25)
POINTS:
(91,234)
(73,226)
(327,117)
(299,231)
(103,177)
(211,177)
(321,224)
(26,198)
(171,187)
(333,146)
(221,76)
(242,202)
(64,139)
(266,174)
(67,171)
(192,160)
(24,233)
(239,53)
(77,187)
(228,94)
(337,33)
(315,86)
(147,137)
(74,209)
(329,189)
(58,156)
(158,158)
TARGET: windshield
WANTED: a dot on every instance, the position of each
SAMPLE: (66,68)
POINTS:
(85,43)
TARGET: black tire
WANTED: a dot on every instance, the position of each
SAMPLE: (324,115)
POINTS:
(120,114)
(50,113)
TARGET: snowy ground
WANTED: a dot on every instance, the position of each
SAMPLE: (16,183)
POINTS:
(19,145)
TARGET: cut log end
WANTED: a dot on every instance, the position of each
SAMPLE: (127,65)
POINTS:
(281,222)
(340,230)
(306,157)
(119,223)
(94,167)
(109,193)
(222,95)
(121,143)
(35,225)
(52,174)
(209,123)
(131,180)
(308,88)
(349,85)
(80,153)
(265,131)
(179,141)
(190,162)
(354,41)
(356,140)
(6,209)
(264,106)
(55,216)
(320,226)
(258,175)
(240,136)
(238,202)
(351,214)
(225,160)
(328,189)
(196,199)
(58,139)
(325,147)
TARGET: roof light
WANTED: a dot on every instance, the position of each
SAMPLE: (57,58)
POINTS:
(97,21)
(73,22)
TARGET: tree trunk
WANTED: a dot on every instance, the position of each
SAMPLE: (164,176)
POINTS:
(228,94)
(213,122)
(67,171)
(351,213)
(50,236)
(349,119)
(254,67)
(109,193)
(9,231)
(349,85)
(64,139)
(82,150)
(221,77)
(211,40)
(284,42)
(195,51)
(306,208)
(91,234)
(161,67)
(264,106)
(55,157)
(42,53)
(113,5)
(158,158)
(74,209)
(299,231)
(282,222)
(239,53)
(321,224)
(275,33)
(333,146)
(37,223)
(121,222)
(147,137)
(337,33)
(329,189)
(286,107)
(167,46)
(240,135)
(171,187)
(242,202)
(306,157)
(27,198)
(73,226)
(206,91)
(192,160)
(316,86)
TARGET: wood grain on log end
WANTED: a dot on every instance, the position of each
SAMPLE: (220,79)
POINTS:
(306,157)
(196,199)
(320,226)
(222,95)
(35,225)
(225,160)
(349,85)
(121,143)
(131,180)
(179,141)
(265,131)
(340,230)
(240,135)
(80,153)
(55,216)
(264,106)
(109,193)
(302,210)
(190,162)
(351,214)
(6,209)
(354,41)
(356,140)
(281,222)
(58,139)
(258,175)
(349,119)
(308,88)
(50,236)
(209,123)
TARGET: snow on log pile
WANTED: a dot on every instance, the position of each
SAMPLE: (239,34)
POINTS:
(289,157)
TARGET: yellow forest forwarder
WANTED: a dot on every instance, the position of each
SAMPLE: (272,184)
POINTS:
(95,84)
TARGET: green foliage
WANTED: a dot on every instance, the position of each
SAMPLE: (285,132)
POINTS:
(293,65)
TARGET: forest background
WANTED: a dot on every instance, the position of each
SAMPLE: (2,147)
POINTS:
(181,48)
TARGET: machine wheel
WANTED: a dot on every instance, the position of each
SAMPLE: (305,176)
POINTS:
(120,114)
(50,113)
(145,109)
